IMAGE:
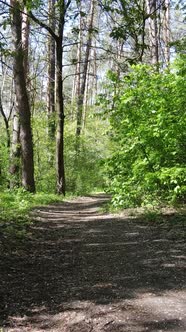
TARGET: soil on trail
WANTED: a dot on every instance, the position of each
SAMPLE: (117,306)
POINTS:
(80,270)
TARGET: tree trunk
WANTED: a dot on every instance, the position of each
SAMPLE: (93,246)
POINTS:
(60,105)
(61,8)
(87,95)
(153,31)
(51,72)
(25,41)
(79,56)
(166,32)
(15,149)
(84,76)
(22,100)
(95,72)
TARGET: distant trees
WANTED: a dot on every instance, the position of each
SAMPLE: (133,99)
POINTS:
(159,31)
(143,28)
(56,32)
(84,59)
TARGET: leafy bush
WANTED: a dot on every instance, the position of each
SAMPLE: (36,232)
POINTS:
(148,130)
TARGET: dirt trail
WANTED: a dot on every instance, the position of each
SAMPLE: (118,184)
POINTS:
(81,270)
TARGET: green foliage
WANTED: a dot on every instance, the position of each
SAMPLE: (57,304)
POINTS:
(129,23)
(4,161)
(148,127)
(32,4)
(15,206)
(84,171)
(179,45)
(44,153)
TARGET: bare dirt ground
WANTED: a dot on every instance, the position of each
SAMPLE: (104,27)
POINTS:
(80,270)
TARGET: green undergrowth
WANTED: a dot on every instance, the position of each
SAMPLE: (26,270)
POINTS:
(15,206)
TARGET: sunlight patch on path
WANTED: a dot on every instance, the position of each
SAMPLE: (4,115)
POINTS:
(148,312)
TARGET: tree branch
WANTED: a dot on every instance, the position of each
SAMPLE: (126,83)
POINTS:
(43,25)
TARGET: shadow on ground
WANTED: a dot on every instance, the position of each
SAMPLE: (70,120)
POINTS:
(94,272)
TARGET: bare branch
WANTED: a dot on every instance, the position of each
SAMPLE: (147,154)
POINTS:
(43,25)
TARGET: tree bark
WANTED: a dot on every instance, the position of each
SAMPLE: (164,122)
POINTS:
(15,149)
(166,32)
(22,100)
(51,72)
(153,31)
(62,7)
(79,56)
(60,168)
(84,75)
(25,41)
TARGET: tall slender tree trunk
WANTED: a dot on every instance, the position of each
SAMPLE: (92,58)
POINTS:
(22,100)
(84,75)
(87,95)
(79,57)
(166,31)
(153,31)
(77,76)
(25,41)
(61,8)
(16,149)
(60,168)
(51,72)
(95,72)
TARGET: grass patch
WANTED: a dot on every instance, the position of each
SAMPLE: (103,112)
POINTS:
(15,206)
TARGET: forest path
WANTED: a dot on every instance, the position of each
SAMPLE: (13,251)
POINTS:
(81,270)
